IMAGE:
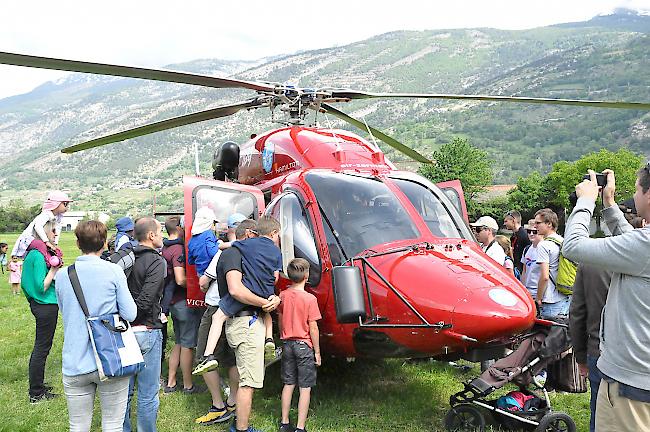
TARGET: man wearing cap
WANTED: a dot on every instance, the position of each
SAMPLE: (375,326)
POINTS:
(124,236)
(485,230)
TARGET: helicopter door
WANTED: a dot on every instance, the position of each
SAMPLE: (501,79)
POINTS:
(296,235)
(454,191)
(224,199)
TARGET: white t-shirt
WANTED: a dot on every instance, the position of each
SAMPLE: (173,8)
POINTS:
(529,260)
(495,251)
(549,252)
(212,297)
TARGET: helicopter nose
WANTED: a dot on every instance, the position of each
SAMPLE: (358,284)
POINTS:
(492,312)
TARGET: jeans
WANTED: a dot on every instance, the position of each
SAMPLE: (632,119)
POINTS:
(552,310)
(150,342)
(80,394)
(46,316)
(594,383)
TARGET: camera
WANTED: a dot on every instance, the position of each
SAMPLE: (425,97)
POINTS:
(601,179)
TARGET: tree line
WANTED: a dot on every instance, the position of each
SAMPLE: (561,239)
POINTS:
(474,168)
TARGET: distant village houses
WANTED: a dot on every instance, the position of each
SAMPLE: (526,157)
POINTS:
(72,218)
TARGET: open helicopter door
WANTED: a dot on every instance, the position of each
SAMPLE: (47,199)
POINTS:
(224,198)
(454,191)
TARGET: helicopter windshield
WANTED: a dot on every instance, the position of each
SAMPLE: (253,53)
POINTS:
(433,212)
(362,211)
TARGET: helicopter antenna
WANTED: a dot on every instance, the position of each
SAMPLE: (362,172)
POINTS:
(370,132)
(195,145)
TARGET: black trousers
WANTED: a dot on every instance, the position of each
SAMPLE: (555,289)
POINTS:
(46,316)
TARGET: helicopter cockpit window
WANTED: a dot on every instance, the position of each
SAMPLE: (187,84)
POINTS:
(296,238)
(362,211)
(434,213)
(225,202)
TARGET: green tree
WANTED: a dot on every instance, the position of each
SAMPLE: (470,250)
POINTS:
(564,176)
(462,161)
(530,195)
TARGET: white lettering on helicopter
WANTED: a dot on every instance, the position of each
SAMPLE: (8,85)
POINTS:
(247,159)
(286,167)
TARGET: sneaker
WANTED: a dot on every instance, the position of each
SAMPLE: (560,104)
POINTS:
(209,363)
(215,415)
(194,389)
(287,427)
(269,349)
(231,408)
(233,428)
(46,395)
(167,389)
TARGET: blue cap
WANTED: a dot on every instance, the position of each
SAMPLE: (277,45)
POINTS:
(235,219)
(124,224)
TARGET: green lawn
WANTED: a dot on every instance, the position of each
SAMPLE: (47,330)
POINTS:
(392,395)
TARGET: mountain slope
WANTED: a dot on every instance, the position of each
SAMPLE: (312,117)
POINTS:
(605,58)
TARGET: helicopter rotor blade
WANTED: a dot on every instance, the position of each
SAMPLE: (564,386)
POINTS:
(355,94)
(171,123)
(128,72)
(377,133)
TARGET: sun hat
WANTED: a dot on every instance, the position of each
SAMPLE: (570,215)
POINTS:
(54,198)
(124,224)
(204,219)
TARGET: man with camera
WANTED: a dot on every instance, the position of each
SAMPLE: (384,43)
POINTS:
(624,395)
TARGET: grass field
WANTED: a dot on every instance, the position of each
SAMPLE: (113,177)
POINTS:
(391,395)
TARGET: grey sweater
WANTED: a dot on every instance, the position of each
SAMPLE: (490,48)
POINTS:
(625,326)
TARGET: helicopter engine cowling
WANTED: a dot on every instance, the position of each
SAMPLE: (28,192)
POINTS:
(226,161)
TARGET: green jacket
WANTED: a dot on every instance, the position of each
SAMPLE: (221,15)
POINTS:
(34,272)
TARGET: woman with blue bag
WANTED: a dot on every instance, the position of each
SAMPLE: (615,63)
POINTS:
(105,291)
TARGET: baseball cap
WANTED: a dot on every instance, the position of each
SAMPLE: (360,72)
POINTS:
(235,219)
(486,221)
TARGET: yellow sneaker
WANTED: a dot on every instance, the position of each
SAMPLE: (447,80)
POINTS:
(215,415)
(269,349)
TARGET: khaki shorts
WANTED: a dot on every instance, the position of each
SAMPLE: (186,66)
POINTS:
(619,414)
(247,339)
(222,352)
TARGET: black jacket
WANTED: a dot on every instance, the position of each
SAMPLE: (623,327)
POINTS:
(589,295)
(146,283)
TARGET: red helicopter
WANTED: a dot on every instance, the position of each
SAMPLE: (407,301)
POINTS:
(393,264)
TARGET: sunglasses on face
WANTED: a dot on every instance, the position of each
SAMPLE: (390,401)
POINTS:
(66,204)
(479,229)
(531,231)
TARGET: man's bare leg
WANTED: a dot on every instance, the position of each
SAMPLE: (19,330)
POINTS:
(244,405)
(303,407)
(287,393)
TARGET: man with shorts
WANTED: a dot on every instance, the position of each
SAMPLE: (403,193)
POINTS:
(185,319)
(246,334)
(219,412)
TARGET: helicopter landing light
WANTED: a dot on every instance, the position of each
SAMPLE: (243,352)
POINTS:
(503,297)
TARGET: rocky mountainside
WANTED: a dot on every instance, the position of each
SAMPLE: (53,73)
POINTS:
(605,58)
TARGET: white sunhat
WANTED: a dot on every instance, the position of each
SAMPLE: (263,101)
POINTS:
(486,221)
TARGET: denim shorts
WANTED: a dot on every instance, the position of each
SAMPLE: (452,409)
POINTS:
(186,323)
(298,365)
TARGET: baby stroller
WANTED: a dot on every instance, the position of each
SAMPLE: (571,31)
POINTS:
(541,346)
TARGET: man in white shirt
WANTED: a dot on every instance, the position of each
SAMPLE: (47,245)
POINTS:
(485,230)
(550,301)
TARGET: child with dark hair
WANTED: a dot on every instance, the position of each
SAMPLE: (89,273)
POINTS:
(298,313)
(15,270)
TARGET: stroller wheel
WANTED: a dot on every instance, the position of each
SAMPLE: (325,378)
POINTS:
(464,417)
(556,422)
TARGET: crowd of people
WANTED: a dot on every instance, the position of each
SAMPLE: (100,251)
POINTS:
(144,279)
(142,276)
(606,298)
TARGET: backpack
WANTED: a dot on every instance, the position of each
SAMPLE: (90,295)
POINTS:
(125,258)
(566,271)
